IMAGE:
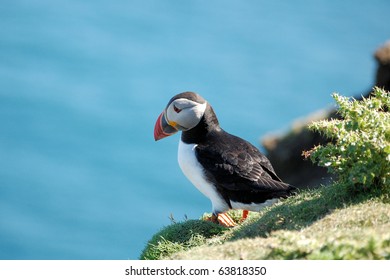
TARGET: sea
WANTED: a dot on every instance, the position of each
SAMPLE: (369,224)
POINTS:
(83,82)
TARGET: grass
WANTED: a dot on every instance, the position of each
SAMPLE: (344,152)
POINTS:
(180,237)
(326,223)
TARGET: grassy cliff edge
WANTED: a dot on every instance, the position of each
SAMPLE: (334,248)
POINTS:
(326,223)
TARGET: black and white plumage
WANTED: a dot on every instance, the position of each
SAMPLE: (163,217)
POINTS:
(228,170)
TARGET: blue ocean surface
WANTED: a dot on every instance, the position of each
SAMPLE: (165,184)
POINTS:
(82,83)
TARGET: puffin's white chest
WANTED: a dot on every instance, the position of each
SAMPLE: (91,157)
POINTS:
(194,172)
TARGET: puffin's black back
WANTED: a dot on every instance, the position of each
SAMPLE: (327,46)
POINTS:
(239,171)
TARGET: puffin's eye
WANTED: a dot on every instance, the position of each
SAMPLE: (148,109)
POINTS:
(177,110)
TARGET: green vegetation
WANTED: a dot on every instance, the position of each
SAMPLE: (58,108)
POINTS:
(325,223)
(360,152)
(349,219)
(179,237)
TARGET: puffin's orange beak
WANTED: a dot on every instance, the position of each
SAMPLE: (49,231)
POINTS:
(162,128)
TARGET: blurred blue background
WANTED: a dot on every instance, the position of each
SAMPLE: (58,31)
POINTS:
(82,83)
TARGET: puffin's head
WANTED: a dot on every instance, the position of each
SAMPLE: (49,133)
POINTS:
(183,112)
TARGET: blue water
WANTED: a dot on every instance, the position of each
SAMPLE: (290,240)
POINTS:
(82,82)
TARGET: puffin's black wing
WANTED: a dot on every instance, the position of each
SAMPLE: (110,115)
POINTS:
(238,169)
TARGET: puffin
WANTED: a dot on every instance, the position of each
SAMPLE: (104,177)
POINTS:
(228,170)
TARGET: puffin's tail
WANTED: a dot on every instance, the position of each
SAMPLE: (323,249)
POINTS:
(290,190)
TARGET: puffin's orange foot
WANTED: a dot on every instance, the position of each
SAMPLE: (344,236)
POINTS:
(244,215)
(223,219)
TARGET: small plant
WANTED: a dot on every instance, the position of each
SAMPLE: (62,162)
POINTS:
(359,151)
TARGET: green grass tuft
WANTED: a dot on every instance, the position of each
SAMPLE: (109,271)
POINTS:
(180,237)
